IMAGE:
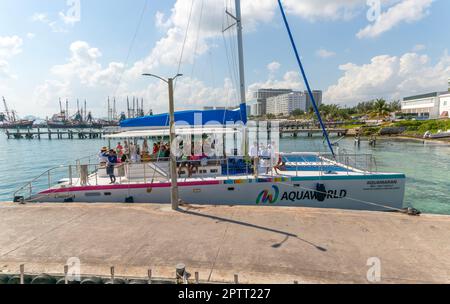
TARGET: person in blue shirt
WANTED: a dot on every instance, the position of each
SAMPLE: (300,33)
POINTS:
(112,161)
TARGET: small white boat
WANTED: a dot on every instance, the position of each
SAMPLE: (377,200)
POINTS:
(439,135)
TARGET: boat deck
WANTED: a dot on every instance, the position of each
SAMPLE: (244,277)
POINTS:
(104,180)
(262,245)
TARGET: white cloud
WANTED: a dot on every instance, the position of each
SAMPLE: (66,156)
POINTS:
(190,93)
(323,53)
(81,72)
(40,17)
(202,32)
(390,77)
(160,22)
(325,9)
(56,26)
(419,48)
(10,46)
(31,35)
(405,11)
(273,66)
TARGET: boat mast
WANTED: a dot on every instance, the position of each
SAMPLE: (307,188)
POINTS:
(240,50)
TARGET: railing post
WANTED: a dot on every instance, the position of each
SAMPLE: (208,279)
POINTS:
(145,175)
(70,175)
(49,180)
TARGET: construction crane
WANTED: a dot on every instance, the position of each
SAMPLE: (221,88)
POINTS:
(8,115)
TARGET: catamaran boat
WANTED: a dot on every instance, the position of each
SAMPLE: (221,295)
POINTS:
(224,175)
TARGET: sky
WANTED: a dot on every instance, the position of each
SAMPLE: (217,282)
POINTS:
(353,50)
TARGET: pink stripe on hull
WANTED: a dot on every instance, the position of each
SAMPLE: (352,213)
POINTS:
(131,186)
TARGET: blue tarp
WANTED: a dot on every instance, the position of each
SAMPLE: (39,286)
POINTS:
(192,118)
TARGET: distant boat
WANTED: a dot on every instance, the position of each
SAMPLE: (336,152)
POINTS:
(10,120)
(439,135)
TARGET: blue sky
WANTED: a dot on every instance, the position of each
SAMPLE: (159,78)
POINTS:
(45,54)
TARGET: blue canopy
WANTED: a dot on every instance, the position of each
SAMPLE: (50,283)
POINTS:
(191,118)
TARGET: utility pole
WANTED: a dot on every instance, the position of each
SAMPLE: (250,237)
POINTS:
(174,195)
(173,161)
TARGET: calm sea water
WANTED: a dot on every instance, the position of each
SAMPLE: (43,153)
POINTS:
(427,166)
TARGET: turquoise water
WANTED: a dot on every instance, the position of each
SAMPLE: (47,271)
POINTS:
(427,166)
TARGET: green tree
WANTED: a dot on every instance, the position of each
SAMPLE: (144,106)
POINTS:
(395,106)
(380,109)
(298,113)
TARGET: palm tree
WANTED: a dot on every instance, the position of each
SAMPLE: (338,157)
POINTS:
(380,109)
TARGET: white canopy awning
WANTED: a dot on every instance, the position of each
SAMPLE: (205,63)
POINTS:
(165,132)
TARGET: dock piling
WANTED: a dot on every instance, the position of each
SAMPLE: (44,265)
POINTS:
(66,271)
(197,280)
(150,276)
(112,274)
(22,274)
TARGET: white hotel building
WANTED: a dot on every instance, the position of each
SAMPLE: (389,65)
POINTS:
(287,103)
(428,106)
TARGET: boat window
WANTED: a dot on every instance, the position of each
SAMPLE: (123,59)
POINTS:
(107,193)
(92,194)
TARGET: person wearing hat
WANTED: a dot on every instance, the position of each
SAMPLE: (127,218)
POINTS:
(103,156)
(112,161)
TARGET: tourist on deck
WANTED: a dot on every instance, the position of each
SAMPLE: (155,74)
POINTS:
(145,147)
(281,164)
(264,155)
(167,153)
(126,149)
(133,153)
(103,156)
(162,152)
(119,150)
(155,150)
(112,161)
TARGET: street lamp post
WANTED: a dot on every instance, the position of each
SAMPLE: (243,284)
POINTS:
(174,197)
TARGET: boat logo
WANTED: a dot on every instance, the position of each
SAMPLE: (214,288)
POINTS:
(266,197)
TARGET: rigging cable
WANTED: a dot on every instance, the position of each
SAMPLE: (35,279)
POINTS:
(184,42)
(299,61)
(133,40)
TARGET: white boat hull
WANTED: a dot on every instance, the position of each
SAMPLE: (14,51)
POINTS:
(377,192)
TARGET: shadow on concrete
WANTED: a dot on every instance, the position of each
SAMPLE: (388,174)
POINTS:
(276,245)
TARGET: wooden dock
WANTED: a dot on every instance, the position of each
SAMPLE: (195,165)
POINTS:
(56,133)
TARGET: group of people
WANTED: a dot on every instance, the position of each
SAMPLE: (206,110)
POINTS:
(262,156)
(267,156)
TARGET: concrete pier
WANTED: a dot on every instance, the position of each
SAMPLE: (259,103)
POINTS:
(260,244)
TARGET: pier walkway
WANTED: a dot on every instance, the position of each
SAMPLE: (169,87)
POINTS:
(261,244)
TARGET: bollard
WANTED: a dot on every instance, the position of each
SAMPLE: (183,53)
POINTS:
(112,274)
(22,274)
(149,276)
(66,271)
(236,279)
(197,278)
(295,282)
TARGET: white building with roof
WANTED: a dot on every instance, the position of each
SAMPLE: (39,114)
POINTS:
(287,103)
(428,106)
